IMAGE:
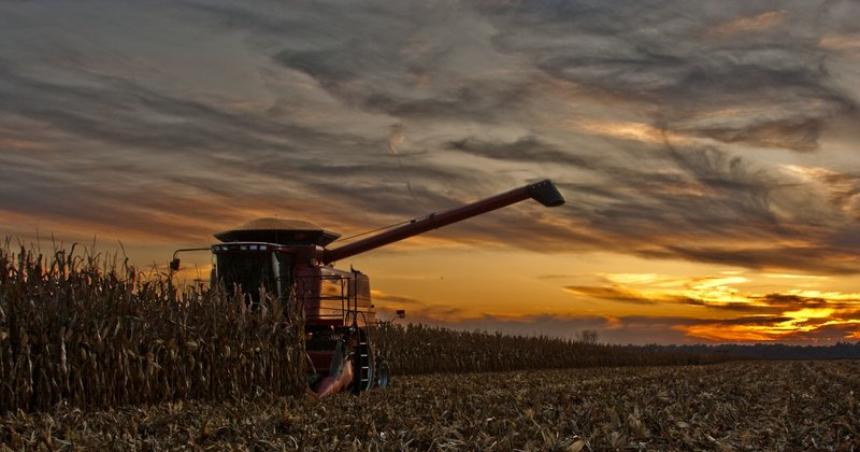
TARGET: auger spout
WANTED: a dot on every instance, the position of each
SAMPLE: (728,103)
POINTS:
(544,192)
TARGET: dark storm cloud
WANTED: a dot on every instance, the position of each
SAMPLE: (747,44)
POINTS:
(121,210)
(464,79)
(812,259)
(791,301)
(767,309)
(116,113)
(525,149)
(610,293)
(375,57)
(121,113)
(724,188)
(757,320)
(478,102)
(709,193)
(775,304)
(736,307)
(798,135)
(618,293)
(663,55)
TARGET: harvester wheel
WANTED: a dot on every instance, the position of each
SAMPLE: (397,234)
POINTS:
(383,376)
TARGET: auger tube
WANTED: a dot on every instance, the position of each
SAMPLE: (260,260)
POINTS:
(544,192)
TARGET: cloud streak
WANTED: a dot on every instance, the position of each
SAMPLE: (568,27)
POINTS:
(677,131)
(795,315)
(385,69)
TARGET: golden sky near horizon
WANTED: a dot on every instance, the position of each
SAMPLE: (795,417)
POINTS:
(708,153)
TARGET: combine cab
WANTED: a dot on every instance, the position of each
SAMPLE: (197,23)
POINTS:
(290,258)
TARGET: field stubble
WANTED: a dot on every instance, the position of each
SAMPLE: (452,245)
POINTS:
(733,406)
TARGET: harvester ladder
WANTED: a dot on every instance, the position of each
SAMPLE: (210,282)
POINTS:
(364,363)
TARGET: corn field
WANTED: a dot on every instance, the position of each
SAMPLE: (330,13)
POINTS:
(79,331)
(89,332)
(419,349)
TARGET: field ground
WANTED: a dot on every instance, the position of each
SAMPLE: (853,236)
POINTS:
(732,406)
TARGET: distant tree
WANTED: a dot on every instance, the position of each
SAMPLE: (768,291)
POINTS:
(587,336)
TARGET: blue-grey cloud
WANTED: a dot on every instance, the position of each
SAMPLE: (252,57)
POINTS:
(289,108)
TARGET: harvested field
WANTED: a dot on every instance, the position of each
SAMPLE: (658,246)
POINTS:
(733,406)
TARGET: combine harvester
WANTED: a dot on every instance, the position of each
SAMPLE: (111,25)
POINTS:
(291,258)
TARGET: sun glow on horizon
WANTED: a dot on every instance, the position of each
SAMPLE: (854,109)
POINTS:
(758,316)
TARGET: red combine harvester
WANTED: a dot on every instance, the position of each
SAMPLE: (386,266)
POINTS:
(290,258)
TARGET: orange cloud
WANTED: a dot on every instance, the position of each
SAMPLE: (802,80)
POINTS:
(718,332)
(766,316)
(748,24)
(840,42)
(20,144)
(628,130)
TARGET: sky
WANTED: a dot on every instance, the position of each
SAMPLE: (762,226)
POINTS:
(708,151)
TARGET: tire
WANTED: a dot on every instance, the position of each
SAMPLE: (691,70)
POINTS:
(383,375)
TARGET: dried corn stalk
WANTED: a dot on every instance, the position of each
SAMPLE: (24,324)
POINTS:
(78,332)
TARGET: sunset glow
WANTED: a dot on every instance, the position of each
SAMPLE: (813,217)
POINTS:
(708,155)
